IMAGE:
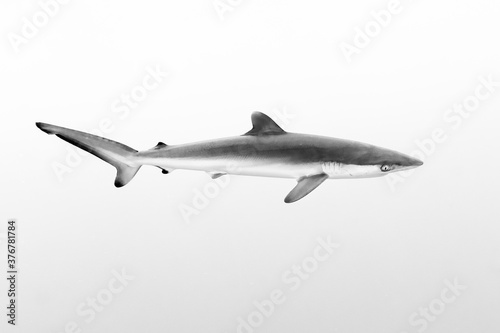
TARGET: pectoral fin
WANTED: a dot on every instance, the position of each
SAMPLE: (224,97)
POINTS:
(305,186)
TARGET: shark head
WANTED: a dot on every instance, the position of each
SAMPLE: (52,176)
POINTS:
(364,161)
(392,161)
(382,161)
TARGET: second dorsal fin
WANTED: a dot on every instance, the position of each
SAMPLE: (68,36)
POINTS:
(159,146)
(263,125)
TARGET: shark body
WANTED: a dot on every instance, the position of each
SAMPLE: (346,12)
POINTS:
(266,150)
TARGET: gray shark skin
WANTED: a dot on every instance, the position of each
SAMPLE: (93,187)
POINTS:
(266,150)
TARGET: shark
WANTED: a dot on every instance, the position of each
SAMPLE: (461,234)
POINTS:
(266,150)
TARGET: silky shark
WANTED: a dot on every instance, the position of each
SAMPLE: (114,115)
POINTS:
(266,150)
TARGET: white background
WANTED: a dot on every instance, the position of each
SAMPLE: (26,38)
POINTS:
(398,245)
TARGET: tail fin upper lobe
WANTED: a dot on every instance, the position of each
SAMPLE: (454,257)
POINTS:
(115,153)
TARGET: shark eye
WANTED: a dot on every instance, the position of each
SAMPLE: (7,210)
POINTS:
(385,168)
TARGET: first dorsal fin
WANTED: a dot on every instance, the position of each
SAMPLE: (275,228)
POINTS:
(159,146)
(263,125)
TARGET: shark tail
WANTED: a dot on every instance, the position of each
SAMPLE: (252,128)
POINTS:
(122,157)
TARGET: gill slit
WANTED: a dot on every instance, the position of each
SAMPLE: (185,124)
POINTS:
(332,168)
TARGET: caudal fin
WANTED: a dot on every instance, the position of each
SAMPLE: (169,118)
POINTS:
(115,153)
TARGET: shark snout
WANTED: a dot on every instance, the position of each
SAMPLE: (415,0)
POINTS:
(415,162)
(411,163)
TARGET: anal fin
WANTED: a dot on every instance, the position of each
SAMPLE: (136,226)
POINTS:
(165,171)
